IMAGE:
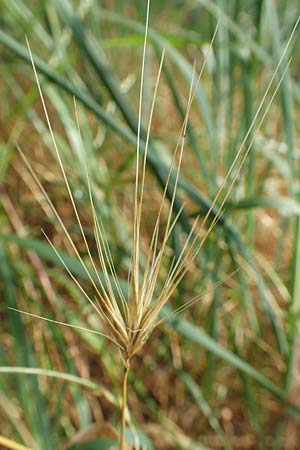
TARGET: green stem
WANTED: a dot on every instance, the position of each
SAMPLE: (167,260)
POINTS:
(124,404)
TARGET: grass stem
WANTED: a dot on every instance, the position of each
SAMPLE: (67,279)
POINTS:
(124,404)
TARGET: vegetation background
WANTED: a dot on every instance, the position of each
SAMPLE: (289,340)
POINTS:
(225,372)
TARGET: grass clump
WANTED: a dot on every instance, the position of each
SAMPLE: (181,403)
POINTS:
(159,267)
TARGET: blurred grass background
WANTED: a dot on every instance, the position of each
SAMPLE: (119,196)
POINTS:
(225,373)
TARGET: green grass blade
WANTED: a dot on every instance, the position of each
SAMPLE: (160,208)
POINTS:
(51,373)
(198,336)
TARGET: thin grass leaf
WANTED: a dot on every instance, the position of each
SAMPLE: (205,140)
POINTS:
(9,444)
(51,373)
(197,394)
